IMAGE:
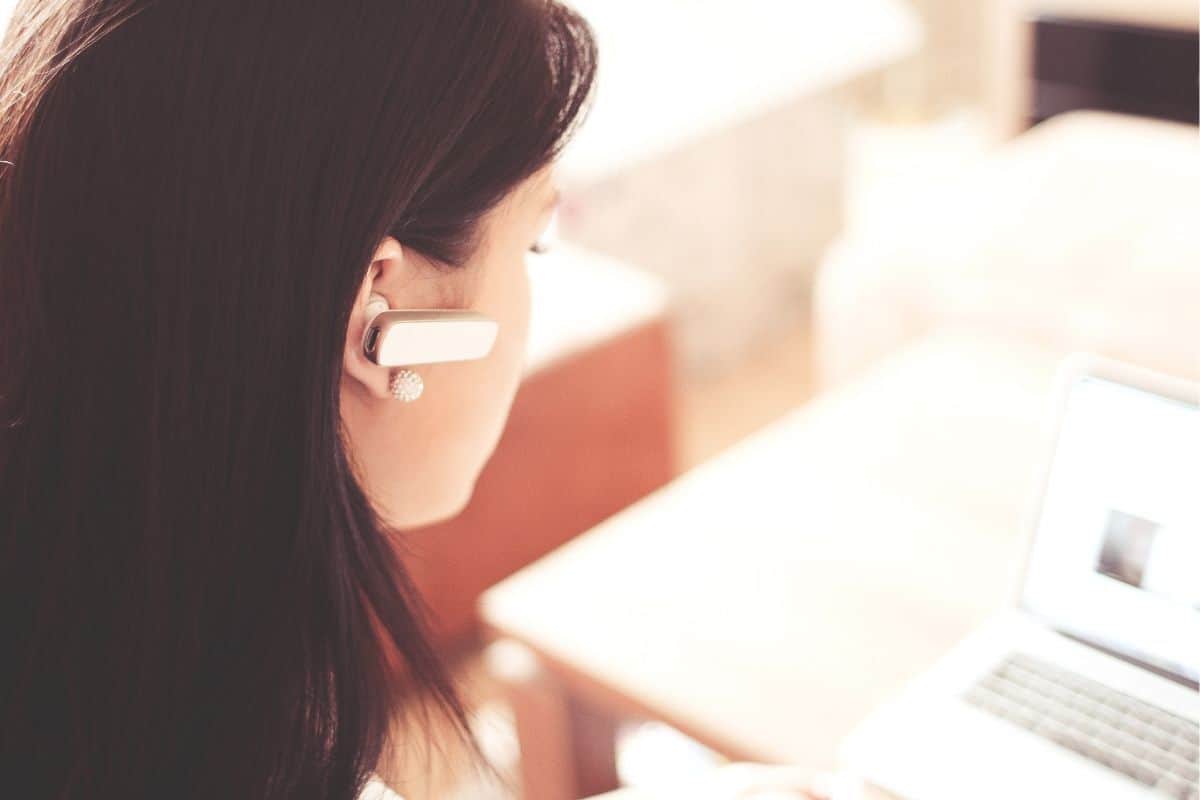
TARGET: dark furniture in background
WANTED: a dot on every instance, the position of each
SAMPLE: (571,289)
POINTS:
(1088,64)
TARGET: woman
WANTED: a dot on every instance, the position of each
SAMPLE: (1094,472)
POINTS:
(203,475)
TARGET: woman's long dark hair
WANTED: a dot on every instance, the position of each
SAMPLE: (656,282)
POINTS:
(196,598)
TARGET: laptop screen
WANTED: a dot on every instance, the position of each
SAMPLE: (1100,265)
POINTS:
(1116,553)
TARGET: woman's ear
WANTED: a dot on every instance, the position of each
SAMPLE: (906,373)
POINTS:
(386,270)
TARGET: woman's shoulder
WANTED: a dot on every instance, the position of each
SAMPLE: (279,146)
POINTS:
(377,790)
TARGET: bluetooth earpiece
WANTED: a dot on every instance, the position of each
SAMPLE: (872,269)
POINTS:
(406,337)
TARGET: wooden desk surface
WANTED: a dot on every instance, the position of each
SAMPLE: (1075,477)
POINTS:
(766,601)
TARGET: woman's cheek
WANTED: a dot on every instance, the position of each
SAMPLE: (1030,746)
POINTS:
(522,321)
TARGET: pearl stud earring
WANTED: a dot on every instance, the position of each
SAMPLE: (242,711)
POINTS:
(406,385)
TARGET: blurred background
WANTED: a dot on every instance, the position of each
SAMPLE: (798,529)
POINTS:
(839,210)
(772,205)
(771,201)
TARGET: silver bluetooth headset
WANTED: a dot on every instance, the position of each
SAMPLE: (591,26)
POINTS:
(408,337)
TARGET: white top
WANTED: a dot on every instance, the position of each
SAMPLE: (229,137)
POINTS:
(376,789)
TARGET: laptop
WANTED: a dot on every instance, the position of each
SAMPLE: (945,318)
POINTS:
(1087,686)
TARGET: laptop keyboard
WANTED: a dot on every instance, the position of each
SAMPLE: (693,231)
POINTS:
(1153,746)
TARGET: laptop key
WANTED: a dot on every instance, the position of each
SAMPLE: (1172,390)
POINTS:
(1129,767)
(1068,738)
(1185,770)
(1191,734)
(1092,749)
(1172,787)
(1169,724)
(1159,740)
(1186,751)
(1147,775)
(1136,749)
(1159,759)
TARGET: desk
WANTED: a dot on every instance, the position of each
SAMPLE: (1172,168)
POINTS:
(766,601)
